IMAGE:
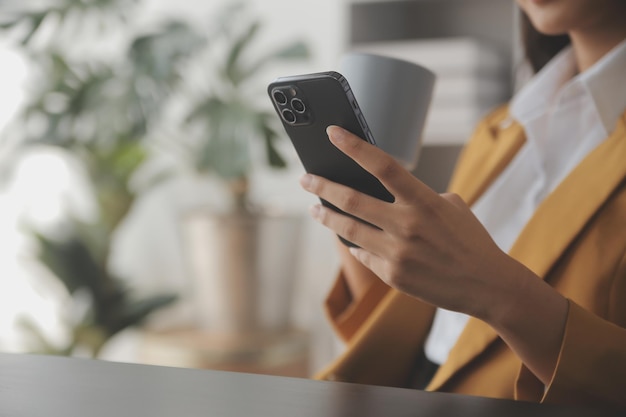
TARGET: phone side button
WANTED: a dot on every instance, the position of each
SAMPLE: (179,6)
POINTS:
(362,121)
(344,83)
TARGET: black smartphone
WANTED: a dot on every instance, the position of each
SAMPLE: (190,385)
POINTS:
(307,105)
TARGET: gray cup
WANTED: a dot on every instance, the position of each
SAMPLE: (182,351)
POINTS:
(394,96)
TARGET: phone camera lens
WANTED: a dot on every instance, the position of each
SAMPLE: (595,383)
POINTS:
(289,116)
(280,97)
(298,105)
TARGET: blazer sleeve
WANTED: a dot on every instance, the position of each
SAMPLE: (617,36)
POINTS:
(347,315)
(591,367)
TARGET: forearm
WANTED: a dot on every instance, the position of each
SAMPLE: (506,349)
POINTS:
(530,317)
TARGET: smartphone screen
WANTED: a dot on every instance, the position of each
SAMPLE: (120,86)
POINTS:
(307,105)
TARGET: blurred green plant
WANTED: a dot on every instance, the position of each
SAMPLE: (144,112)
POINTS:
(228,113)
(104,110)
(100,111)
(80,262)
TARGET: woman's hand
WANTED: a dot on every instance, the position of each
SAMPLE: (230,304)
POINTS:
(431,246)
(428,245)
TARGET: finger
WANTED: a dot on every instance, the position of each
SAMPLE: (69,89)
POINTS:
(361,205)
(355,231)
(369,260)
(397,180)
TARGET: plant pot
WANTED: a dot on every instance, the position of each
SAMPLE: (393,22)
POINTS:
(242,269)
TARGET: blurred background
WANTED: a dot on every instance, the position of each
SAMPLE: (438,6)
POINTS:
(149,202)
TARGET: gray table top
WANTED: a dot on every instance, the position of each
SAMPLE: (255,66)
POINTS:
(33,386)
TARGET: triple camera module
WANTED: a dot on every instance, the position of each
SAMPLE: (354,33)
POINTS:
(291,108)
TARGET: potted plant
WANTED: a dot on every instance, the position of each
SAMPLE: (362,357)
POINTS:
(241,260)
(105,111)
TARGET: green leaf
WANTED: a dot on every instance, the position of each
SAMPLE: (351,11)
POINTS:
(159,55)
(35,21)
(227,150)
(133,313)
(274,158)
(297,50)
(232,70)
(205,109)
(71,261)
(90,336)
(9,23)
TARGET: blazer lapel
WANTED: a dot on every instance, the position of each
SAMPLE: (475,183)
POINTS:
(549,232)
(595,179)
(495,144)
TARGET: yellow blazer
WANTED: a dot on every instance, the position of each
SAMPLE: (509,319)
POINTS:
(576,241)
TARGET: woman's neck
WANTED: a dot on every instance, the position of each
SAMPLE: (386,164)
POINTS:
(590,46)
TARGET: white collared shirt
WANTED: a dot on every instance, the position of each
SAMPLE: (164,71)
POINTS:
(565,116)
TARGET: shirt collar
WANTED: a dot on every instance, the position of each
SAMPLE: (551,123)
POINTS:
(540,91)
(606,82)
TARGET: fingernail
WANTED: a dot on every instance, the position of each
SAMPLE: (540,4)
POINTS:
(336,133)
(306,180)
(315,211)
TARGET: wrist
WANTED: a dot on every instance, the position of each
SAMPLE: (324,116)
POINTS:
(515,294)
(530,318)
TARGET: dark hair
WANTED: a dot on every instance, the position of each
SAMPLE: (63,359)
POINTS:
(540,48)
